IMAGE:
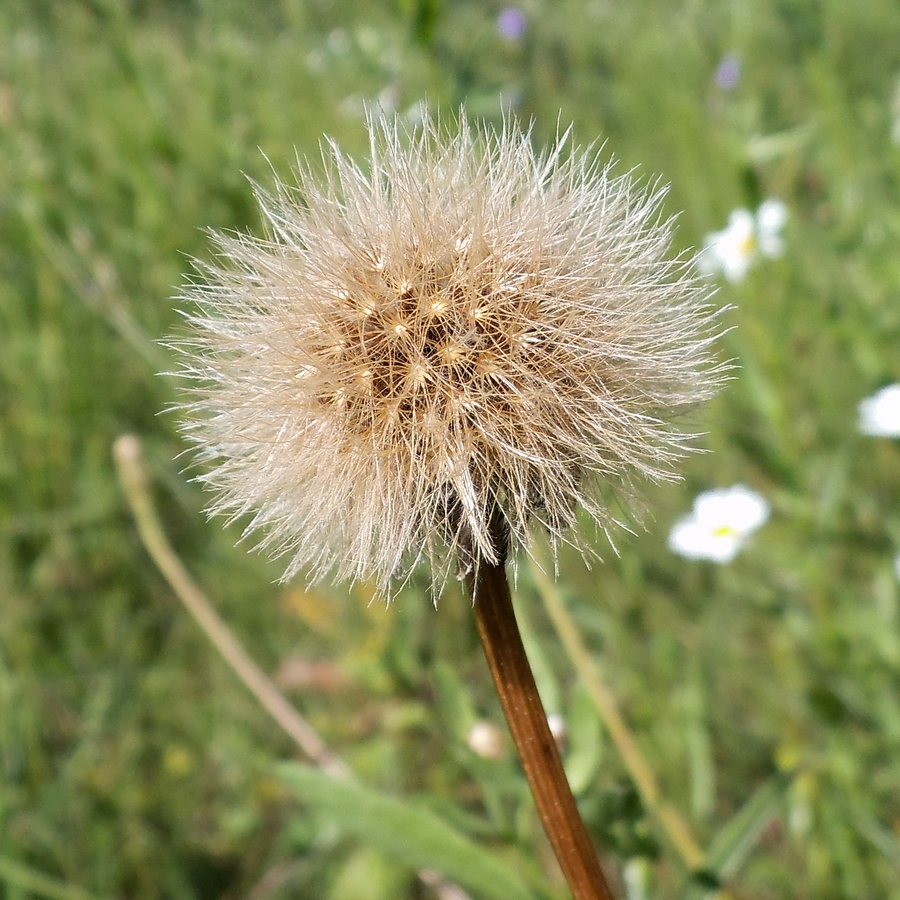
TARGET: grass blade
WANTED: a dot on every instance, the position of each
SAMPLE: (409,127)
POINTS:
(38,884)
(736,839)
(405,832)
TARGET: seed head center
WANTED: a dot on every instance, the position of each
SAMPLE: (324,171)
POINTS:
(423,343)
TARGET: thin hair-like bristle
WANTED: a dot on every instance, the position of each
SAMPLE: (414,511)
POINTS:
(463,325)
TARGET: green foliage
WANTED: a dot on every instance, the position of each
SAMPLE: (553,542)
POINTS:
(406,832)
(764,692)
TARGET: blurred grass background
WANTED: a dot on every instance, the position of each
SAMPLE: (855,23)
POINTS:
(134,765)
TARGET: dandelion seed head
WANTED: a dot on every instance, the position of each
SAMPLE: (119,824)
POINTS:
(462,328)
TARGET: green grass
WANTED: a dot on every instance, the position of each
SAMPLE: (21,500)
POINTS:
(132,764)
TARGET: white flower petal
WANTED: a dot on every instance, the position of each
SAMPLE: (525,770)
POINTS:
(708,260)
(740,224)
(771,245)
(770,220)
(733,250)
(736,245)
(879,415)
(735,265)
(737,507)
(719,523)
(693,539)
(771,217)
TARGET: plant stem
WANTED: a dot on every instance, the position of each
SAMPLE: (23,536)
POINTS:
(527,722)
(133,478)
(676,828)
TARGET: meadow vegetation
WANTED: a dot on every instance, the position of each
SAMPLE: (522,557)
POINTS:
(765,693)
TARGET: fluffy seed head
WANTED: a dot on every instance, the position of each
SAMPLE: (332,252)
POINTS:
(460,329)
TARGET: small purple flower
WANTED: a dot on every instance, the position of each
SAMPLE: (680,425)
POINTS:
(511,23)
(728,74)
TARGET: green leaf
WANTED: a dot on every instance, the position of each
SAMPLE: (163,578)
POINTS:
(369,875)
(38,884)
(881,838)
(452,702)
(585,740)
(405,832)
(544,675)
(736,839)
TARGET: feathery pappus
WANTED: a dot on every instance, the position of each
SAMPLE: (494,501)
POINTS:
(459,328)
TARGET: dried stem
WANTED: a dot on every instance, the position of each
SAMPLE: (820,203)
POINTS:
(133,477)
(677,829)
(135,483)
(527,722)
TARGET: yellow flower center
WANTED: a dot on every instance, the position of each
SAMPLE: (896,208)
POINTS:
(724,531)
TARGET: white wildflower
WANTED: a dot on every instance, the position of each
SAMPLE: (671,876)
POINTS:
(879,415)
(733,250)
(719,524)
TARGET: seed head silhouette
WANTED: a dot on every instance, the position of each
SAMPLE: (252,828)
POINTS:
(461,329)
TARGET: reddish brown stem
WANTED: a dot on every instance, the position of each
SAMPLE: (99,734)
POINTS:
(527,722)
